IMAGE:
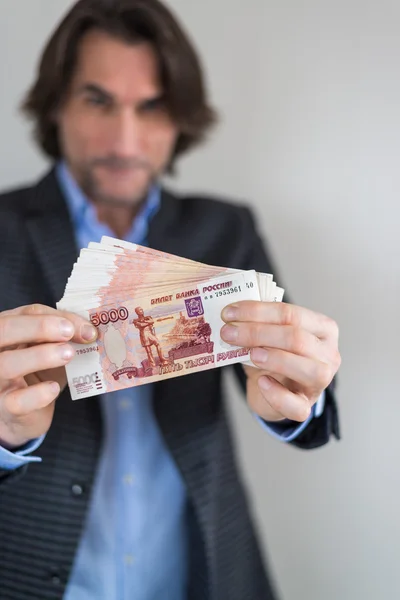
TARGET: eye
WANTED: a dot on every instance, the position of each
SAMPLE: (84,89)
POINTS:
(153,105)
(98,100)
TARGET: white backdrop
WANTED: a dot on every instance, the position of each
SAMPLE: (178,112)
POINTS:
(309,94)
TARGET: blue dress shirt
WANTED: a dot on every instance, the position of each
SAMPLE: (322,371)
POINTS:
(134,542)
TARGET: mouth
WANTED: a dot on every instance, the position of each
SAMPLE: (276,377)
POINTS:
(122,165)
(120,169)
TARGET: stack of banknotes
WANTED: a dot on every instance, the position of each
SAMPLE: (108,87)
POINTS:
(157,315)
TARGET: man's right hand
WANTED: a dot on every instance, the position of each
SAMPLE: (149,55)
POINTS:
(34,350)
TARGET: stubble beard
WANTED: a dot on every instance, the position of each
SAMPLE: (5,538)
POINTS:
(93,189)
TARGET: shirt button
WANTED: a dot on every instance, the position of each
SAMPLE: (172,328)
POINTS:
(129,479)
(77,490)
(55,577)
(129,560)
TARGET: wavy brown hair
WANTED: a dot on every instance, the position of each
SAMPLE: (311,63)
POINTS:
(132,21)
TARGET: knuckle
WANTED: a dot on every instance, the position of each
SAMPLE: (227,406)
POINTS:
(257,311)
(304,411)
(44,328)
(257,334)
(287,314)
(299,410)
(35,308)
(298,341)
(332,327)
(323,374)
(26,309)
(337,360)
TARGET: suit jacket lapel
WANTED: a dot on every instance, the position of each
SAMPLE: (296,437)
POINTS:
(50,228)
(164,230)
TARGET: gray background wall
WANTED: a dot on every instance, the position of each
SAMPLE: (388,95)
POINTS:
(309,94)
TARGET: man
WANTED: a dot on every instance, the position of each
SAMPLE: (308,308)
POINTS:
(134,495)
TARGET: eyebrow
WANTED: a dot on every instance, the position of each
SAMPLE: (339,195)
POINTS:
(93,88)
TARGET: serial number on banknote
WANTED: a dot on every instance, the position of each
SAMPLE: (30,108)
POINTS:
(225,292)
(234,290)
(87,350)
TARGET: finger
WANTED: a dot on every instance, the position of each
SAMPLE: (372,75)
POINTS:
(310,374)
(274,396)
(21,402)
(84,331)
(37,323)
(17,330)
(280,313)
(30,309)
(283,337)
(18,363)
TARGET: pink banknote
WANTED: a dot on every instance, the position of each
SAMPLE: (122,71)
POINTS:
(157,315)
(145,338)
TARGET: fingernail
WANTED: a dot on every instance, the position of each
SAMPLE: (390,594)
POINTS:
(65,352)
(88,333)
(230,313)
(259,355)
(264,383)
(229,333)
(54,388)
(66,328)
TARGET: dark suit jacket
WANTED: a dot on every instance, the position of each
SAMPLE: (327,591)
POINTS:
(40,517)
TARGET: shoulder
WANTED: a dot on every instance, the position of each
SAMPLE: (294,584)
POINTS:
(216,215)
(14,205)
(15,201)
(22,200)
(216,229)
(219,207)
(19,203)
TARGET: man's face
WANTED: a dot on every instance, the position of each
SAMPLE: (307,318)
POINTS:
(114,130)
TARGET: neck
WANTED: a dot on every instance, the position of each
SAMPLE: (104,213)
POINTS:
(118,218)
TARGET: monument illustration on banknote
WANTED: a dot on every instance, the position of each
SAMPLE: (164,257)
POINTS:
(148,336)
(179,334)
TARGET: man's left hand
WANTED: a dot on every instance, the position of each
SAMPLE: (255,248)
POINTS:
(296,350)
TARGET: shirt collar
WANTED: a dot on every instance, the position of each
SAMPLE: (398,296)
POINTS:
(83,213)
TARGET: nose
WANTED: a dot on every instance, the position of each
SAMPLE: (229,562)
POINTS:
(127,133)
